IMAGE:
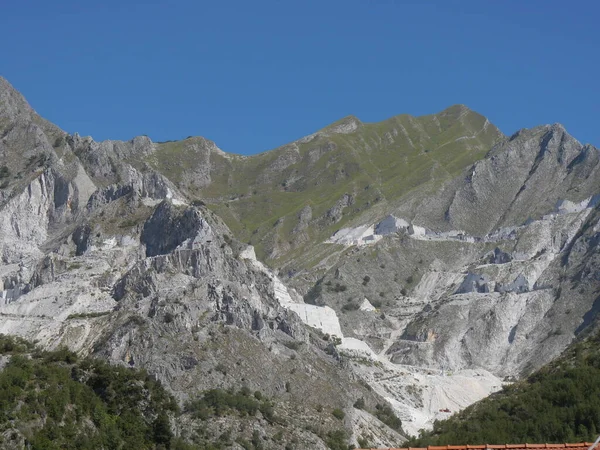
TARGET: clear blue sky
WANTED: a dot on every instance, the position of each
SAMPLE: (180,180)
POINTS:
(253,75)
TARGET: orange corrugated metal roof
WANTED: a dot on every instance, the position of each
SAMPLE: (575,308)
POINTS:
(577,446)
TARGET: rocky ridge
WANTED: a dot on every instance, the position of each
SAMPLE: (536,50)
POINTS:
(114,261)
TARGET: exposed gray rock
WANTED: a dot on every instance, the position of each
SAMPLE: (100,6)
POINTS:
(523,178)
(104,255)
(201,151)
(499,257)
(335,213)
(183,224)
(82,238)
(474,282)
(108,194)
(519,285)
(391,224)
(304,218)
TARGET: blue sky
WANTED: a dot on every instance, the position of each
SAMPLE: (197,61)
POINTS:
(253,75)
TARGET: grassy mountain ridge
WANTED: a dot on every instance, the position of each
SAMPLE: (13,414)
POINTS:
(338,172)
(558,403)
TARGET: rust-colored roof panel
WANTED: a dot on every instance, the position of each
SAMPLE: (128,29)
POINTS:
(576,446)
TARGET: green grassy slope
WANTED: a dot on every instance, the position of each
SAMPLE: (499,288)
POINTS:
(559,403)
(260,196)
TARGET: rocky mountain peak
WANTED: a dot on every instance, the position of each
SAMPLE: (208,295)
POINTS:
(345,125)
(545,141)
(456,110)
(141,141)
(12,103)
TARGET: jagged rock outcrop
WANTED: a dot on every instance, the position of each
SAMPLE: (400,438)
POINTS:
(334,214)
(185,224)
(304,218)
(522,178)
(466,307)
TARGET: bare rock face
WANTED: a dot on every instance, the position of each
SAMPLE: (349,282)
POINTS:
(519,285)
(184,225)
(474,283)
(499,257)
(523,178)
(335,213)
(107,256)
(304,219)
(490,272)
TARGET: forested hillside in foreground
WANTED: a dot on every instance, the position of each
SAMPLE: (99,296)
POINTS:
(56,400)
(559,403)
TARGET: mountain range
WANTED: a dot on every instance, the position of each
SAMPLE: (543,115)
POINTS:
(365,273)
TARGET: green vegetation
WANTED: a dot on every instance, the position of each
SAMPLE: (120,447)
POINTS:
(338,288)
(334,439)
(559,403)
(217,402)
(177,156)
(363,442)
(338,413)
(55,400)
(350,306)
(337,440)
(4,173)
(89,315)
(386,414)
(260,197)
(360,403)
